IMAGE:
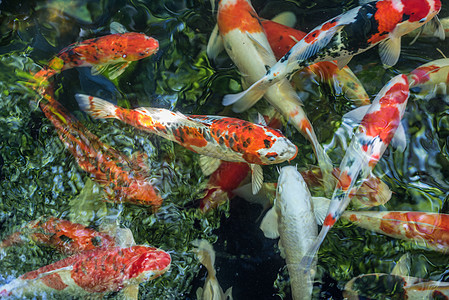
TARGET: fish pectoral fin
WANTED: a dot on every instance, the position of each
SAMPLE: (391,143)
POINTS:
(269,224)
(320,208)
(343,62)
(389,51)
(356,115)
(262,198)
(266,53)
(402,267)
(256,178)
(98,69)
(281,249)
(399,140)
(209,164)
(228,294)
(286,18)
(131,292)
(116,27)
(261,120)
(199,293)
(124,237)
(248,97)
(117,69)
(436,27)
(215,44)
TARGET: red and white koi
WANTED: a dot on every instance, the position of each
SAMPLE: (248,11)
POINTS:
(426,229)
(292,219)
(93,272)
(374,134)
(63,235)
(430,79)
(282,38)
(240,32)
(346,35)
(115,50)
(217,138)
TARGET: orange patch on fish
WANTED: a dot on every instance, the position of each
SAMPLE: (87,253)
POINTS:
(344,181)
(312,37)
(422,75)
(238,14)
(387,18)
(281,38)
(54,281)
(329,220)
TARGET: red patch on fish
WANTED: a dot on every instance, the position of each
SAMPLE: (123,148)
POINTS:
(417,9)
(281,38)
(238,14)
(312,37)
(325,69)
(422,74)
(54,281)
(344,181)
(329,221)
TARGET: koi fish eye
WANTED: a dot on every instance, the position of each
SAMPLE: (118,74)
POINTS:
(124,55)
(271,158)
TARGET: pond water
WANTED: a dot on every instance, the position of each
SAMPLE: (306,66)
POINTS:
(39,177)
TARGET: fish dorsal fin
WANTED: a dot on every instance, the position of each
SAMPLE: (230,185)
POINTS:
(215,44)
(399,140)
(343,62)
(209,164)
(256,178)
(269,224)
(116,27)
(320,208)
(286,18)
(389,51)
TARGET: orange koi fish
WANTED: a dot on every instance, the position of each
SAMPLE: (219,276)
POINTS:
(282,38)
(116,50)
(240,32)
(430,230)
(430,79)
(346,35)
(92,272)
(123,179)
(374,134)
(220,138)
(63,235)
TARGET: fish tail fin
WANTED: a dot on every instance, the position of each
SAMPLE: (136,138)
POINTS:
(96,107)
(206,255)
(307,260)
(244,100)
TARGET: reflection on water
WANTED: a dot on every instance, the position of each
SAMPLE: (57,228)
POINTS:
(39,178)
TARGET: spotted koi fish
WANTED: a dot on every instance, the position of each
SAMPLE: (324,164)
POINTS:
(240,32)
(374,134)
(282,38)
(346,35)
(430,79)
(217,138)
(114,50)
(384,286)
(430,230)
(123,179)
(93,272)
(63,235)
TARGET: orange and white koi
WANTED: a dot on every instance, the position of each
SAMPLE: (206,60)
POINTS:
(389,286)
(374,134)
(123,179)
(430,79)
(63,235)
(92,272)
(217,138)
(426,229)
(115,50)
(346,35)
(282,38)
(240,31)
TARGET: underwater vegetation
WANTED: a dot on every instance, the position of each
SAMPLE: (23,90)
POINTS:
(42,178)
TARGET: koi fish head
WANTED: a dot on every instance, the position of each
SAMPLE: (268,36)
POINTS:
(291,184)
(148,265)
(139,46)
(279,150)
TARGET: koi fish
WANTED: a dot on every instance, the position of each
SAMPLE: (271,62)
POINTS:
(92,272)
(216,138)
(63,235)
(430,79)
(114,51)
(430,230)
(239,31)
(292,219)
(123,179)
(375,132)
(211,289)
(282,38)
(391,286)
(349,34)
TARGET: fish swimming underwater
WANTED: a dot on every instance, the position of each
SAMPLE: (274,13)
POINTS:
(63,235)
(217,138)
(430,79)
(282,38)
(114,51)
(240,33)
(375,132)
(123,179)
(92,272)
(349,34)
(292,219)
(211,289)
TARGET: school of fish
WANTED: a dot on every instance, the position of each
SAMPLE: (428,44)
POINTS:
(275,62)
